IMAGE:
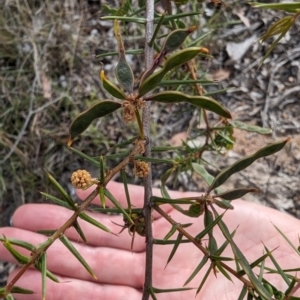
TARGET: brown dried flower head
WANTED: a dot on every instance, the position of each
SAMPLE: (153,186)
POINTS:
(129,111)
(81,179)
(141,168)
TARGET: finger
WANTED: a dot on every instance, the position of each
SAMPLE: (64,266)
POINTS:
(33,217)
(111,266)
(70,288)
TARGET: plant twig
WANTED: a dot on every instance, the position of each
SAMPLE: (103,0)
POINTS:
(148,180)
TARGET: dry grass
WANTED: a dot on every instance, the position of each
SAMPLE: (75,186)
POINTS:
(47,76)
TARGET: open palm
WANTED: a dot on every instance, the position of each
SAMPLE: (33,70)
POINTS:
(120,271)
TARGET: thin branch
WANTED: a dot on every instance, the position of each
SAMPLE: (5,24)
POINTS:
(148,180)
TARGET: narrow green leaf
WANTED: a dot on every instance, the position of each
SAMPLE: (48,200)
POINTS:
(222,270)
(47,232)
(170,233)
(156,30)
(61,190)
(160,200)
(176,245)
(83,120)
(102,171)
(199,101)
(20,243)
(277,266)
(117,204)
(102,196)
(20,290)
(250,128)
(57,201)
(290,287)
(169,242)
(204,278)
(236,193)
(86,157)
(150,289)
(49,274)
(224,245)
(243,293)
(20,258)
(220,258)
(124,179)
(255,263)
(9,297)
(196,271)
(245,162)
(73,250)
(209,227)
(43,261)
(164,178)
(92,221)
(156,290)
(172,62)
(285,237)
(79,230)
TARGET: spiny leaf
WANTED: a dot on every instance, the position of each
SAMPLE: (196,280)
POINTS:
(20,258)
(118,205)
(209,227)
(280,271)
(198,268)
(79,230)
(20,243)
(245,162)
(172,62)
(73,250)
(111,88)
(61,190)
(20,290)
(236,193)
(176,245)
(204,278)
(92,221)
(83,120)
(43,261)
(199,101)
(156,290)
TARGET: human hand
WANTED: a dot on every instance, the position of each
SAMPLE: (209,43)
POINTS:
(120,271)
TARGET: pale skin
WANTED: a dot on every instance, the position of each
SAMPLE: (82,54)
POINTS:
(120,271)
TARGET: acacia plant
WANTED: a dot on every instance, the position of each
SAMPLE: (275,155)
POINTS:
(172,56)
